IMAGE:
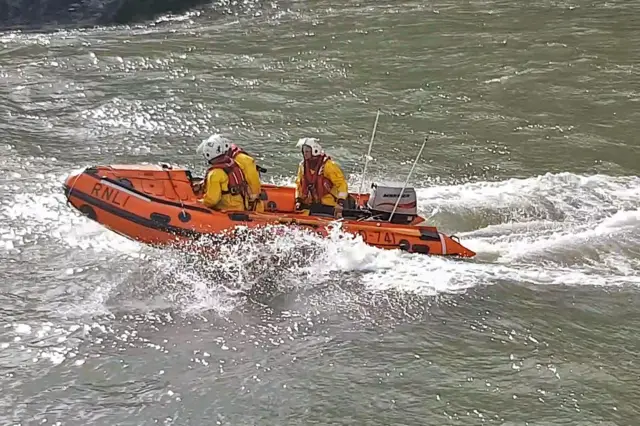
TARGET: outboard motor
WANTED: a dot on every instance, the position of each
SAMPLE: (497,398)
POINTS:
(383,198)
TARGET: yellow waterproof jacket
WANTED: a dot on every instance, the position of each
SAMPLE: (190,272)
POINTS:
(217,182)
(248,166)
(333,173)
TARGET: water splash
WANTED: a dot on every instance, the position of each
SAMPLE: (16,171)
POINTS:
(571,229)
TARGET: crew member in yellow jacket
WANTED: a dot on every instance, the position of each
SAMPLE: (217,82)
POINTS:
(320,185)
(250,171)
(225,185)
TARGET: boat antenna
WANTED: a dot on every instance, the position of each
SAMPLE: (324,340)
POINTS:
(408,176)
(366,159)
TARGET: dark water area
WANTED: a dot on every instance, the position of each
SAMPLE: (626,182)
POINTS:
(51,15)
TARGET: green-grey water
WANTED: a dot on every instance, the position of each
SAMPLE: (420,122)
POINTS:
(532,114)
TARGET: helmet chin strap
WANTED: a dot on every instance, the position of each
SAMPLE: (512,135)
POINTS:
(313,161)
(214,159)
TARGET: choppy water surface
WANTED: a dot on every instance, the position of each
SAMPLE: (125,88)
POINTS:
(533,160)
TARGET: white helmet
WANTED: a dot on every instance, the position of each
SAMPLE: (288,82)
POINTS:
(214,146)
(312,143)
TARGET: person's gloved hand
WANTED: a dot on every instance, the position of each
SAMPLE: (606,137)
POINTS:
(198,187)
(338,209)
(253,201)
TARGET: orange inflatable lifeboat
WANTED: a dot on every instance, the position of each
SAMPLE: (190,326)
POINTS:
(157,205)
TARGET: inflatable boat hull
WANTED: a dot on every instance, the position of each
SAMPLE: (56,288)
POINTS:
(157,205)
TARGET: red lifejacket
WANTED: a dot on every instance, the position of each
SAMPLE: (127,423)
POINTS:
(235,150)
(315,185)
(237,182)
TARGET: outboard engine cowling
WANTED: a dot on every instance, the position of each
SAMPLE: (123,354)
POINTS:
(384,198)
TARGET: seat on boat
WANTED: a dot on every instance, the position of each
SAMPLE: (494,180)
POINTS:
(350,211)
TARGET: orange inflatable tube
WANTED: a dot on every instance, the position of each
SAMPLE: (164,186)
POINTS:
(157,205)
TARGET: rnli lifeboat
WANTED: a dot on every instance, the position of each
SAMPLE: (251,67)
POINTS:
(158,205)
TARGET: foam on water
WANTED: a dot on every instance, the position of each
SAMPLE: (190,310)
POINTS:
(259,261)
(571,229)
(43,341)
(38,209)
(565,195)
(562,229)
(579,218)
(576,230)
